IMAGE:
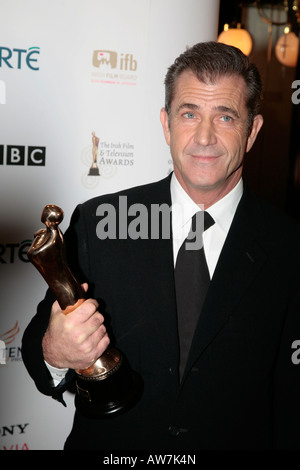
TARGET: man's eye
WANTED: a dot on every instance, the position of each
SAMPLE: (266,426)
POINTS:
(226,118)
(189,115)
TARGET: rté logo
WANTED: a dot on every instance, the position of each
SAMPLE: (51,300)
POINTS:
(15,155)
(17,58)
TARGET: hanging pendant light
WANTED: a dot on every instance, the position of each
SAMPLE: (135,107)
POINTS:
(286,49)
(236,36)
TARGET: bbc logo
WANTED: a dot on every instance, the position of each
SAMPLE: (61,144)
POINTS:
(21,155)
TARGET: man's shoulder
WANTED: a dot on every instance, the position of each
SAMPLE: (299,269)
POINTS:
(273,220)
(150,193)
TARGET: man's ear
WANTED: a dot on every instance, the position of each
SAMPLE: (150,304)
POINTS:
(164,119)
(255,128)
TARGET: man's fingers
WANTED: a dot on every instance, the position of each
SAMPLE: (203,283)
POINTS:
(56,308)
(76,339)
(85,311)
(85,286)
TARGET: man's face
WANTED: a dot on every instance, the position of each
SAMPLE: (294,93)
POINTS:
(207,132)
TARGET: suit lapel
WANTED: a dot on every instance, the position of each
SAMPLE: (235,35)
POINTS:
(166,311)
(240,261)
(157,284)
(166,324)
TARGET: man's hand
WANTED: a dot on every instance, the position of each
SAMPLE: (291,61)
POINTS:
(76,340)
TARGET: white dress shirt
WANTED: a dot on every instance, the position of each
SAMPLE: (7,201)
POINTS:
(183,209)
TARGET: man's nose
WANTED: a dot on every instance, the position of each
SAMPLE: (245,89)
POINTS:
(205,133)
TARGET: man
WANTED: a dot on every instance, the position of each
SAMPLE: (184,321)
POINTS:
(238,387)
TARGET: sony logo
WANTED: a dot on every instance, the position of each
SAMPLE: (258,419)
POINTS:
(13,429)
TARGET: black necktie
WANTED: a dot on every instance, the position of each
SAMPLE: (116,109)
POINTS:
(191,282)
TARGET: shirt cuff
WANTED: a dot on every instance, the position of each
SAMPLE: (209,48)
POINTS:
(57,374)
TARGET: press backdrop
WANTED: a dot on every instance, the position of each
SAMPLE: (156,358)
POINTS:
(69,68)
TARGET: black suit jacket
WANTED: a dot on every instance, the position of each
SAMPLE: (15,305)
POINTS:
(241,388)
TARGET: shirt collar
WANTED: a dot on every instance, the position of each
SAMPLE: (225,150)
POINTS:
(183,207)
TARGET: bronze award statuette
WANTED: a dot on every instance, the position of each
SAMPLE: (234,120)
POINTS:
(94,170)
(109,386)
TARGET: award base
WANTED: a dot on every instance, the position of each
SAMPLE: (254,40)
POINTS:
(110,392)
(94,172)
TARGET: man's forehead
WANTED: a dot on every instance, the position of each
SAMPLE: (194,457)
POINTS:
(228,88)
(210,81)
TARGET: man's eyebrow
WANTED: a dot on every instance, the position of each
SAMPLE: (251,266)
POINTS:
(226,109)
(188,106)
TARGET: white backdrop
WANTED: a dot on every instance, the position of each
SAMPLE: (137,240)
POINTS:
(69,68)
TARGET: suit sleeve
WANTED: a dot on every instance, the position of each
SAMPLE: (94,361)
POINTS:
(287,380)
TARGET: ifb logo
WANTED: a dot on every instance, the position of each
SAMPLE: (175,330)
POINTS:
(16,58)
(109,60)
(15,155)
